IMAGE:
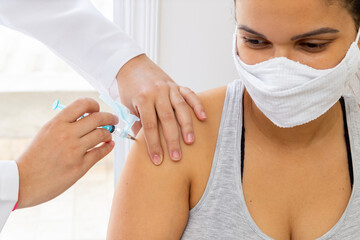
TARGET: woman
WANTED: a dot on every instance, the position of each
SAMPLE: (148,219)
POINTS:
(282,160)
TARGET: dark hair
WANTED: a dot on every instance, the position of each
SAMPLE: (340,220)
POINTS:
(353,6)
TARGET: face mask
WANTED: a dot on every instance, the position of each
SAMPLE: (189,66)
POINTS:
(290,93)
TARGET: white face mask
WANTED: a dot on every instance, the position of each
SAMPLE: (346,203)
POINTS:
(290,93)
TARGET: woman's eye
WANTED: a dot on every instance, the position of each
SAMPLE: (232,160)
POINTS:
(313,47)
(255,43)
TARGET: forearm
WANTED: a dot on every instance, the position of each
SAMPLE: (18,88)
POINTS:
(77,32)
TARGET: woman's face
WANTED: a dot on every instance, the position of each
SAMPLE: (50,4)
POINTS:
(312,32)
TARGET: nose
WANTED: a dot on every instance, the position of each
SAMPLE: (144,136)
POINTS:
(281,52)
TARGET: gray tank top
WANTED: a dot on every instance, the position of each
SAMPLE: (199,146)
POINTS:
(222,213)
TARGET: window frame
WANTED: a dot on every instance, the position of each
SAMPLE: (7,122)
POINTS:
(140,20)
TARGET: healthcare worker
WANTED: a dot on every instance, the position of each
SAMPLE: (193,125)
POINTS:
(63,152)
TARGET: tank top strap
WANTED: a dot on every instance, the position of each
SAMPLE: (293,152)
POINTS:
(353,124)
(225,170)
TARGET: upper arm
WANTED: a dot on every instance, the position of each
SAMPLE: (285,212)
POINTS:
(150,202)
(153,202)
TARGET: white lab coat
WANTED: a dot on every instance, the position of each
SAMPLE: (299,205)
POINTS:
(84,38)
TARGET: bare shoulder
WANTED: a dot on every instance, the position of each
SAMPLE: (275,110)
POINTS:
(205,134)
(213,101)
(152,202)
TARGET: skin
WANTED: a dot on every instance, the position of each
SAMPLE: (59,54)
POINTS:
(147,91)
(151,94)
(307,164)
(50,165)
(147,197)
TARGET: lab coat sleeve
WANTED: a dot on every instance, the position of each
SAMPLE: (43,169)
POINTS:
(77,32)
(9,189)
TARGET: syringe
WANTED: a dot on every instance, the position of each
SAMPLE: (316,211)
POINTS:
(110,128)
(117,131)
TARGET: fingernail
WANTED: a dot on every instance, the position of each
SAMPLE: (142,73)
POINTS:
(156,159)
(190,137)
(117,118)
(203,114)
(175,155)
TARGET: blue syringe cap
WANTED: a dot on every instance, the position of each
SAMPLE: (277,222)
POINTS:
(55,105)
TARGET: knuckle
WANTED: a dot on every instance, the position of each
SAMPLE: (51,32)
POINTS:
(173,85)
(63,136)
(103,151)
(184,116)
(51,124)
(185,90)
(185,122)
(97,154)
(149,125)
(154,147)
(56,121)
(173,142)
(180,102)
(187,126)
(102,134)
(100,153)
(73,148)
(142,97)
(87,103)
(97,118)
(161,86)
(82,102)
(167,116)
(190,93)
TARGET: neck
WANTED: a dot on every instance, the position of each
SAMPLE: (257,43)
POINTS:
(299,136)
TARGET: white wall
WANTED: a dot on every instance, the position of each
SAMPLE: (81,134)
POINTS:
(195,42)
(190,39)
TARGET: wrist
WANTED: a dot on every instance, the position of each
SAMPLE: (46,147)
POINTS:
(128,67)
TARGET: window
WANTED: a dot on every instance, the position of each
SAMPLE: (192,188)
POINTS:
(31,77)
(27,65)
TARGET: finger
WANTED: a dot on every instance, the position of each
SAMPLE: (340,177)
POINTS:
(136,128)
(94,120)
(96,154)
(78,108)
(96,137)
(137,125)
(149,122)
(193,100)
(183,115)
(167,118)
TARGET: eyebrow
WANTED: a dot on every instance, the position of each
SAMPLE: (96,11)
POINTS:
(315,32)
(249,30)
(308,34)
